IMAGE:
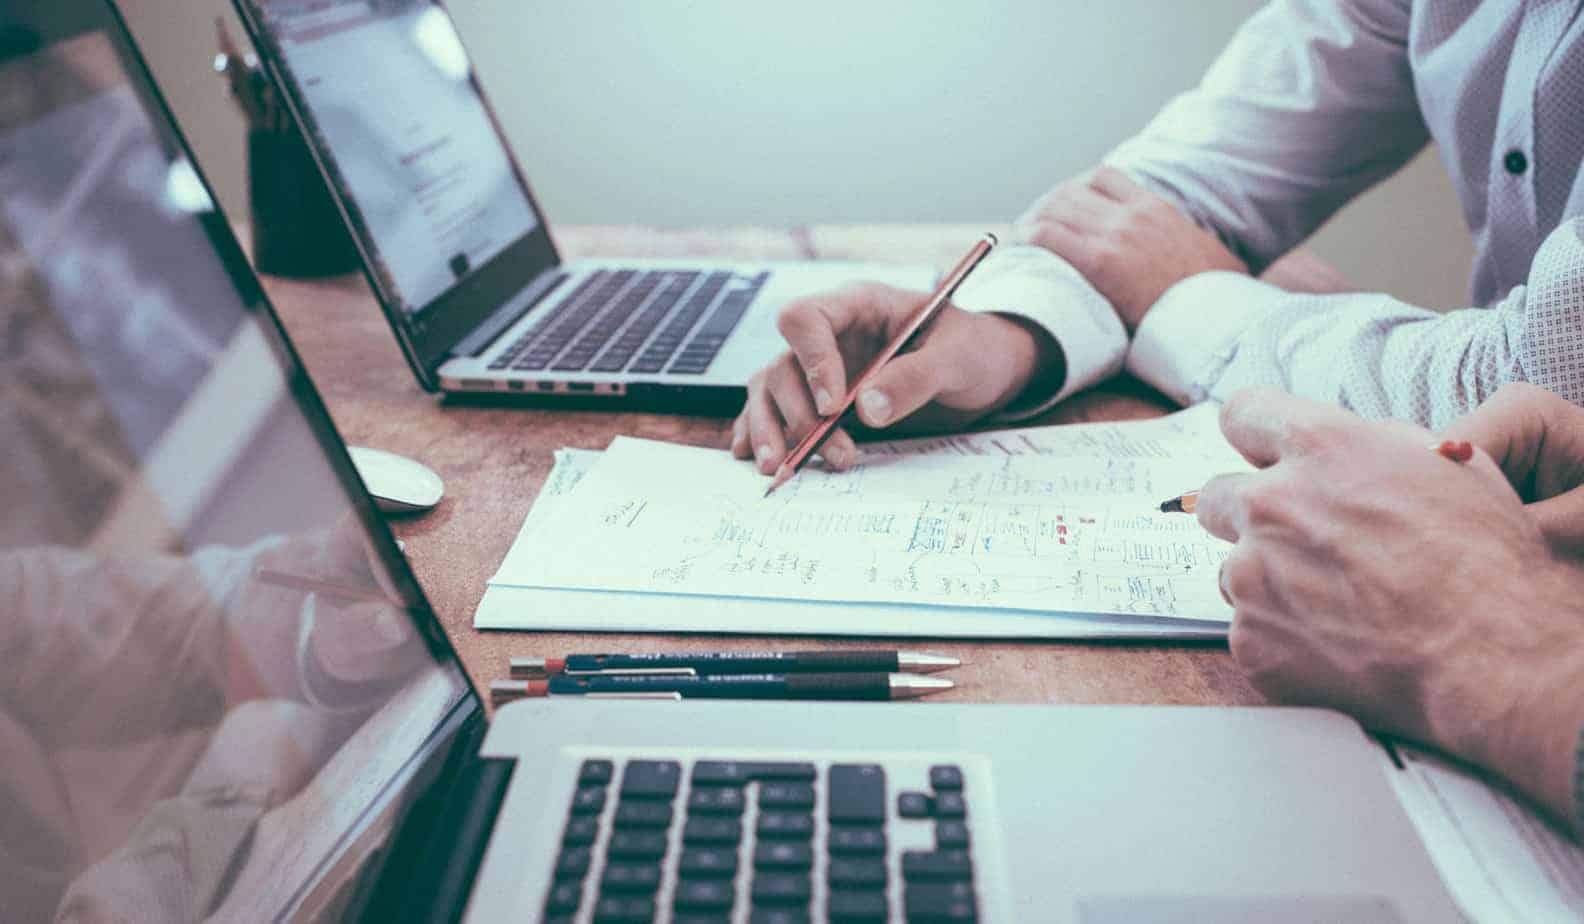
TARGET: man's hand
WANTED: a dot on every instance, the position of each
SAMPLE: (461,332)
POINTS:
(966,366)
(365,636)
(1537,437)
(1374,576)
(1130,244)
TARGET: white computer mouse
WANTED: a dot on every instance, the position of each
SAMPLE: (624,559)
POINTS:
(397,483)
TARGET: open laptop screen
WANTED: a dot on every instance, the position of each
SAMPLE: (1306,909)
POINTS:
(213,684)
(389,96)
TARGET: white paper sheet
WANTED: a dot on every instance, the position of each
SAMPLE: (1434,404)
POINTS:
(1500,860)
(1056,519)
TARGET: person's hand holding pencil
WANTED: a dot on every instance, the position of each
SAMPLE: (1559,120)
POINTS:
(1398,576)
(966,365)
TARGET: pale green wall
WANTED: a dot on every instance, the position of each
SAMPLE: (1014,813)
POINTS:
(731,112)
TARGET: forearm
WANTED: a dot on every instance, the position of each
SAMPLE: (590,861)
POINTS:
(1214,333)
(1310,104)
(74,619)
(1516,707)
(1072,333)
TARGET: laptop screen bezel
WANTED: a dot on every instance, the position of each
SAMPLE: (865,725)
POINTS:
(429,335)
(52,21)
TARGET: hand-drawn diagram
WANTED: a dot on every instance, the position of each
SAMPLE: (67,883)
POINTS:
(969,525)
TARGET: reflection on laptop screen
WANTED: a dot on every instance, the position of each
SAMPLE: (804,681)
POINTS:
(212,685)
(389,92)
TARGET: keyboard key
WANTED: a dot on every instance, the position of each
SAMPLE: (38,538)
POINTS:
(588,800)
(936,864)
(594,772)
(851,841)
(707,862)
(573,863)
(705,894)
(624,909)
(857,794)
(914,805)
(681,322)
(778,916)
(716,800)
(707,831)
(738,772)
(651,779)
(701,917)
(788,855)
(945,777)
(857,872)
(630,814)
(619,353)
(630,877)
(565,896)
(781,889)
(637,845)
(850,906)
(786,795)
(951,805)
(945,901)
(787,825)
(951,835)
(580,832)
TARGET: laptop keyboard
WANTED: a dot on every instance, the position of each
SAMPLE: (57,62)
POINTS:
(763,842)
(609,323)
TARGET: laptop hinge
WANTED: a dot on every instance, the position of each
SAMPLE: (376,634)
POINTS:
(506,315)
(441,841)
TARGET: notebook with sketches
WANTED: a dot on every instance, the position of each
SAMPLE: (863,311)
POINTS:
(1039,532)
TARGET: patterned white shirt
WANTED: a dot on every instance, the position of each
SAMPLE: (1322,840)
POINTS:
(1311,103)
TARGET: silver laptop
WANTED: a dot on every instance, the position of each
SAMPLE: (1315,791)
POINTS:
(459,253)
(228,699)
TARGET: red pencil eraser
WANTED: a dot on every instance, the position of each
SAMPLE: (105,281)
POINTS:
(1456,450)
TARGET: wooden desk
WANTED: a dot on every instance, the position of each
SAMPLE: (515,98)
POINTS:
(494,459)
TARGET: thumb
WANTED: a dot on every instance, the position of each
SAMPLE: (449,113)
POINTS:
(1561,520)
(904,385)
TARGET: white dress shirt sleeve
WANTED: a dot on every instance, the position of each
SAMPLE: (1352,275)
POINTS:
(1215,333)
(1310,103)
(1034,284)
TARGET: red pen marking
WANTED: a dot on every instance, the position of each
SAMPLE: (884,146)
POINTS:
(1456,450)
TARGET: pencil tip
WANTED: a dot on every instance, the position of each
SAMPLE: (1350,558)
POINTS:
(782,476)
(1175,505)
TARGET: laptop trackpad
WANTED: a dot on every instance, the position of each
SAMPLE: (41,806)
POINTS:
(1183,909)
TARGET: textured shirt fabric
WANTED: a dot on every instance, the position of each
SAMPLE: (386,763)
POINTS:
(1310,104)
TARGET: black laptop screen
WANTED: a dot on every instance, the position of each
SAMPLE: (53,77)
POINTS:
(389,95)
(213,685)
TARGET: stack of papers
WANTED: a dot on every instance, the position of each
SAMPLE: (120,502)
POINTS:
(1040,532)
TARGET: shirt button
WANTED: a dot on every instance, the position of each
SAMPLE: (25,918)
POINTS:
(1515,162)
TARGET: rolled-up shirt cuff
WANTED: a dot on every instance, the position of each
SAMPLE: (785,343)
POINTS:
(1190,335)
(1028,282)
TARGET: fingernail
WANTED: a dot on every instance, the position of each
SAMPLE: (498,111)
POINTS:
(391,627)
(822,401)
(835,456)
(876,406)
(762,453)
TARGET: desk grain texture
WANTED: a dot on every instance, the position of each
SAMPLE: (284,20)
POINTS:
(494,459)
